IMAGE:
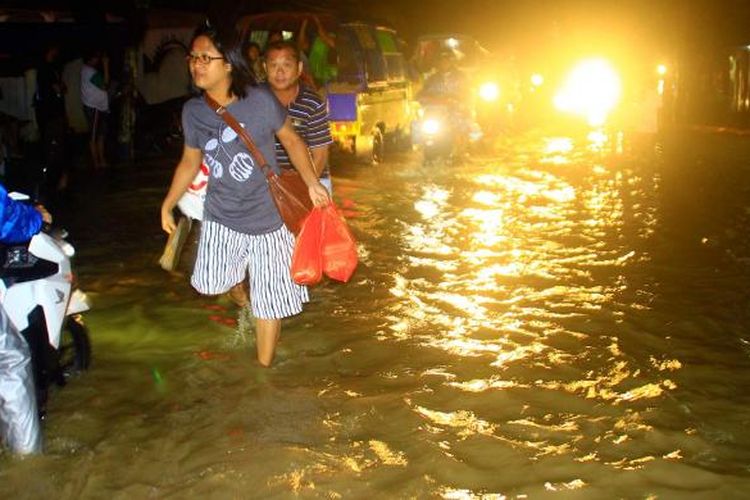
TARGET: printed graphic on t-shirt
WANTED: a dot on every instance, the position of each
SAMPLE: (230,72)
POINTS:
(201,180)
(217,155)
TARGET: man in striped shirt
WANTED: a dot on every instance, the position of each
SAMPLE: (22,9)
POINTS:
(305,107)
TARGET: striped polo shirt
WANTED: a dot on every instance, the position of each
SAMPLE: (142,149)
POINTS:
(309,114)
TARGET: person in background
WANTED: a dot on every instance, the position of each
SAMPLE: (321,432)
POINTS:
(255,61)
(95,100)
(319,54)
(274,36)
(305,107)
(446,82)
(242,231)
(19,416)
(448,86)
(49,109)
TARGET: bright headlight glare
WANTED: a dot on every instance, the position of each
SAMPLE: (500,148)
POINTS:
(592,90)
(489,91)
(430,126)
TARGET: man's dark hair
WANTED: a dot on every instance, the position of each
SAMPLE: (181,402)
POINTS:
(227,42)
(283,45)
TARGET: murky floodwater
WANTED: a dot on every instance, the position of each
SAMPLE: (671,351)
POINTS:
(553,321)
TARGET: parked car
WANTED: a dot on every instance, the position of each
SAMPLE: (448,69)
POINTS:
(362,73)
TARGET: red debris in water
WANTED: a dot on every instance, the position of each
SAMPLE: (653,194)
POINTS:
(214,307)
(236,432)
(213,356)
(222,320)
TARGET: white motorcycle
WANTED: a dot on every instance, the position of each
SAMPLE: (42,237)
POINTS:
(38,293)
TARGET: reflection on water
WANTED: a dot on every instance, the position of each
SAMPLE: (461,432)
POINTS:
(520,326)
(531,275)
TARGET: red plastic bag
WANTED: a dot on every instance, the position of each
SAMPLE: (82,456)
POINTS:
(339,248)
(307,260)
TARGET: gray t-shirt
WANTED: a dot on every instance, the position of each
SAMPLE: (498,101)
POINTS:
(237,195)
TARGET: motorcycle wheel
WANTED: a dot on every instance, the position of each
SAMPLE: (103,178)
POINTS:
(75,347)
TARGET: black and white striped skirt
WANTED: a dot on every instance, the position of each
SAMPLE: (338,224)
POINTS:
(225,256)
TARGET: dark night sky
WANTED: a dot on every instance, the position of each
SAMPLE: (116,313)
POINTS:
(522,24)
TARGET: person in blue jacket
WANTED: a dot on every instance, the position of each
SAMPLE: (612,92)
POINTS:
(19,221)
(19,418)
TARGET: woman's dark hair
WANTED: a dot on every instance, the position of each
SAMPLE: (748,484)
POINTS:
(227,42)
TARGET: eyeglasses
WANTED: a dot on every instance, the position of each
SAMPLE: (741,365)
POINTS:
(201,58)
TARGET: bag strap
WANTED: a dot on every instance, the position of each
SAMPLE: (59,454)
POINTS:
(243,134)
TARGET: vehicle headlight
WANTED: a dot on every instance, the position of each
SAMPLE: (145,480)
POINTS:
(431,126)
(489,91)
(592,90)
(67,249)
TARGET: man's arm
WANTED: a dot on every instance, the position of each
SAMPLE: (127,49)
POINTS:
(320,158)
(318,136)
(323,34)
(301,35)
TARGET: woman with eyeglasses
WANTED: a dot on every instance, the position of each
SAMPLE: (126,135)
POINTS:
(242,232)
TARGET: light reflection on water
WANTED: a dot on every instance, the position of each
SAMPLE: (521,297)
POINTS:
(513,268)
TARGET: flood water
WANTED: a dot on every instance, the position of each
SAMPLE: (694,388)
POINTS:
(549,321)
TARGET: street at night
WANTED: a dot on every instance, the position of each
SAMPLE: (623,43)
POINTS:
(555,319)
(551,208)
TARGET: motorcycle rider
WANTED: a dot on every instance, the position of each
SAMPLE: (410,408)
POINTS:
(447,82)
(448,86)
(19,418)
